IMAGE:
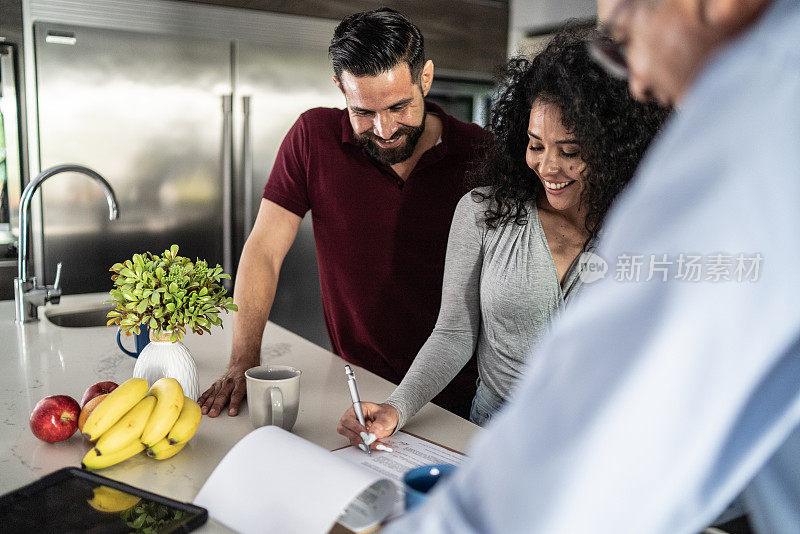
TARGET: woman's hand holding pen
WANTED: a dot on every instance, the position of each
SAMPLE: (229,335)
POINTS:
(381,421)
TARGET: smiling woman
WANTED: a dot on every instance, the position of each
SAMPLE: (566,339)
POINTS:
(554,155)
(563,90)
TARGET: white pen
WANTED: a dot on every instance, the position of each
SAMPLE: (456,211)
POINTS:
(351,382)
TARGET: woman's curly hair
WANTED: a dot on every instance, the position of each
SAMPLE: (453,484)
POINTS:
(611,129)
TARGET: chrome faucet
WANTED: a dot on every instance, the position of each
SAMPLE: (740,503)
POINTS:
(28,296)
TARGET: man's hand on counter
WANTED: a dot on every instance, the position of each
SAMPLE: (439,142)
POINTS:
(229,389)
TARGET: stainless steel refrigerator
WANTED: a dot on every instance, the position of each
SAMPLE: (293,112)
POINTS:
(186,130)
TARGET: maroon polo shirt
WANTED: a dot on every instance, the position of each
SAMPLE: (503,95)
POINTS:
(380,241)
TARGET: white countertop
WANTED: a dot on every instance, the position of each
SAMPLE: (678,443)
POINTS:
(40,359)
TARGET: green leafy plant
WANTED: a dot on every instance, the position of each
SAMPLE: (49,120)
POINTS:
(168,293)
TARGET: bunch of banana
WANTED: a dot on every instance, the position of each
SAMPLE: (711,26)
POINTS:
(133,417)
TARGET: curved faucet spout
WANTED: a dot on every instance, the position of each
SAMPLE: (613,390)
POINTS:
(30,190)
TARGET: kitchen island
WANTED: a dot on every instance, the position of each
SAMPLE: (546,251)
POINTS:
(41,359)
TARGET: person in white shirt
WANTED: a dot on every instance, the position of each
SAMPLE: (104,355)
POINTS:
(672,385)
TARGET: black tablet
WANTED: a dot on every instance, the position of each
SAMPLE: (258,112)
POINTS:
(75,500)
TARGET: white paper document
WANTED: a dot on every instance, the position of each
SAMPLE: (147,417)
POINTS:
(274,481)
(407,452)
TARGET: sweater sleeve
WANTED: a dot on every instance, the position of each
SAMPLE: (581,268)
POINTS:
(452,342)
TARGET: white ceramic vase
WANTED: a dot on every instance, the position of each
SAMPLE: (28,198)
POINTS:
(162,357)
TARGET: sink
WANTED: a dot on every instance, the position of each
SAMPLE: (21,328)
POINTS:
(80,318)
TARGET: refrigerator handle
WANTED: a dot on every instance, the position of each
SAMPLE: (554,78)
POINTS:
(247,168)
(227,186)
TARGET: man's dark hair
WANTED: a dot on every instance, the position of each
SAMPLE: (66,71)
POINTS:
(372,42)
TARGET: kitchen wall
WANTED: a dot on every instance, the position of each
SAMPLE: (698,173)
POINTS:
(530,17)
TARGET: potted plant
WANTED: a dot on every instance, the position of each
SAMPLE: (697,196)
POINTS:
(170,295)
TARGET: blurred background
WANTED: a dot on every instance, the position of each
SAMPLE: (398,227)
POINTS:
(181,106)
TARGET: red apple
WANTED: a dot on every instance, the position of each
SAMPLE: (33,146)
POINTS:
(55,418)
(101,388)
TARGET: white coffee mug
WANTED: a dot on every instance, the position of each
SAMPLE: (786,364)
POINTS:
(273,395)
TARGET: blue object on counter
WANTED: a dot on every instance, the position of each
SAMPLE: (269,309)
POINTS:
(420,480)
(140,341)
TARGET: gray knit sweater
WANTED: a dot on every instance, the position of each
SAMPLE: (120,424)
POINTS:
(500,292)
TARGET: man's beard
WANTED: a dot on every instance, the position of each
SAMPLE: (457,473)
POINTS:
(391,156)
